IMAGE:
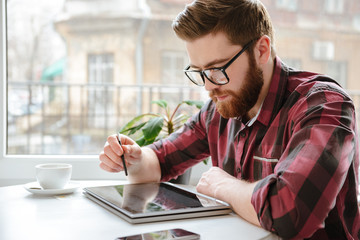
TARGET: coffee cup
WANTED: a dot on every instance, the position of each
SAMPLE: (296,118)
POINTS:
(53,175)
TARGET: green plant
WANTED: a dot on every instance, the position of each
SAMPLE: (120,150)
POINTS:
(149,127)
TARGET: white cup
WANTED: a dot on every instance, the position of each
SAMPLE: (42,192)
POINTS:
(53,175)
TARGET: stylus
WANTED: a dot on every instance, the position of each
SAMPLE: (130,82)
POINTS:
(122,156)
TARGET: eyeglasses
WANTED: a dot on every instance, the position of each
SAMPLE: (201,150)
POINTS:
(217,75)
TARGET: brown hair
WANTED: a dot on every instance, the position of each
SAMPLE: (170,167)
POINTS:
(241,20)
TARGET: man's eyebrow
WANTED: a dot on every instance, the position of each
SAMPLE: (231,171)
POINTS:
(210,64)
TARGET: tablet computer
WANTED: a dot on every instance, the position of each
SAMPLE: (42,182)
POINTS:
(150,202)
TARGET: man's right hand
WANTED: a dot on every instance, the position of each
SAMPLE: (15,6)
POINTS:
(110,157)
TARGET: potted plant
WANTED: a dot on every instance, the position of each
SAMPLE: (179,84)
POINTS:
(150,127)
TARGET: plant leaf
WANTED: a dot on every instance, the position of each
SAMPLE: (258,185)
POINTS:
(180,118)
(152,128)
(162,103)
(198,104)
(132,130)
(206,160)
(135,120)
(141,141)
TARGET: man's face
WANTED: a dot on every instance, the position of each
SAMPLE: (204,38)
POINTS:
(237,97)
(243,98)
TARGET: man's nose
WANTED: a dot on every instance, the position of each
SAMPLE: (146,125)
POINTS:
(209,86)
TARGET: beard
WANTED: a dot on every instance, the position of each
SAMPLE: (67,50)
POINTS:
(243,99)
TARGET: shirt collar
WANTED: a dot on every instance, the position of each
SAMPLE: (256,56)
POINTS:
(274,99)
(251,121)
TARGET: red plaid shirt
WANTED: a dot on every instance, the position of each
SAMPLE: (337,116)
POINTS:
(302,147)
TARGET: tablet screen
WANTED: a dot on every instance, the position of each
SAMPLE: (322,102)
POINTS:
(154,198)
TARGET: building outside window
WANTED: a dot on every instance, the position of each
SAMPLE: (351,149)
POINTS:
(293,63)
(172,67)
(338,71)
(100,99)
(334,6)
(356,22)
(290,5)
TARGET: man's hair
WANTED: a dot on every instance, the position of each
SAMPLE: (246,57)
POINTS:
(241,20)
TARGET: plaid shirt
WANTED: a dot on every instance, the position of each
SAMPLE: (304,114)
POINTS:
(302,147)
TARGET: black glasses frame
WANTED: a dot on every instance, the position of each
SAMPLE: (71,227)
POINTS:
(222,69)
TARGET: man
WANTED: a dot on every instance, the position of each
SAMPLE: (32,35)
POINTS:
(283,143)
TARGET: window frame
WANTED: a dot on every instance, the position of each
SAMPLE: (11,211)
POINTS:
(330,8)
(341,71)
(20,169)
(173,56)
(292,7)
(16,169)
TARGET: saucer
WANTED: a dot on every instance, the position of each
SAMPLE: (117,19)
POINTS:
(35,188)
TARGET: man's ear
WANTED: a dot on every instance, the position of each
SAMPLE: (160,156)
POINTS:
(262,50)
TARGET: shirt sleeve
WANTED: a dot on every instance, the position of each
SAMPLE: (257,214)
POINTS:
(184,148)
(296,199)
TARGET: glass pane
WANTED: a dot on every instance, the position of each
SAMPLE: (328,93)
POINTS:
(173,64)
(80,69)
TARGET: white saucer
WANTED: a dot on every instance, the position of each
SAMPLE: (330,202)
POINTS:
(35,188)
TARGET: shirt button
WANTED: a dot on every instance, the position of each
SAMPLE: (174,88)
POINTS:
(243,134)
(238,170)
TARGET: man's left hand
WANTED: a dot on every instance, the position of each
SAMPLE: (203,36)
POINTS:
(219,184)
(212,182)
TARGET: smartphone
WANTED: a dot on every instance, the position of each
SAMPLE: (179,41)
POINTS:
(177,233)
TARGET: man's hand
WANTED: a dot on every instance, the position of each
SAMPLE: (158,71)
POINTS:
(110,158)
(219,184)
(141,162)
(212,181)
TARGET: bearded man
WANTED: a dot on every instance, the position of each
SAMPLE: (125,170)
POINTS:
(283,142)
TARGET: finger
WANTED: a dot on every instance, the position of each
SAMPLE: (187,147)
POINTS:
(108,169)
(201,186)
(109,152)
(132,150)
(125,140)
(132,153)
(114,144)
(110,163)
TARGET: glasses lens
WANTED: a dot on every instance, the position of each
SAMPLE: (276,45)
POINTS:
(195,77)
(216,76)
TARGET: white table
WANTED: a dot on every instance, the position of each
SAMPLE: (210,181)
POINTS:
(24,215)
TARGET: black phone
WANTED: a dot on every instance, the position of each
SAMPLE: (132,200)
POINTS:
(176,234)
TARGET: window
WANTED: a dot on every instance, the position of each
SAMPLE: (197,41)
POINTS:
(293,63)
(338,71)
(323,50)
(290,5)
(173,64)
(356,22)
(73,77)
(334,6)
(100,100)
(74,71)
(172,74)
